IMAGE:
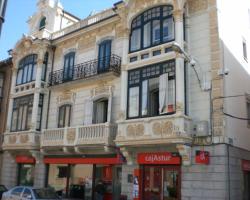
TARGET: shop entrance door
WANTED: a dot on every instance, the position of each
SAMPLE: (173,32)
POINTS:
(161,183)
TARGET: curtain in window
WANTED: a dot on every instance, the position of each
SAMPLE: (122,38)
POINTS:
(88,112)
(144,108)
(135,42)
(171,95)
(146,35)
(134,102)
(163,94)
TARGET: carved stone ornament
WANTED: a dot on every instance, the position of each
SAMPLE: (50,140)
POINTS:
(71,135)
(66,97)
(135,130)
(164,128)
(104,89)
(12,139)
(24,139)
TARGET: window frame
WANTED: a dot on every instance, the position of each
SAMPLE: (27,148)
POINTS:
(139,84)
(139,19)
(59,111)
(29,104)
(42,23)
(67,58)
(28,62)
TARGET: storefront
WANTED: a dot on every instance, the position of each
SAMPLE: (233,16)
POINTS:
(159,176)
(77,177)
(26,170)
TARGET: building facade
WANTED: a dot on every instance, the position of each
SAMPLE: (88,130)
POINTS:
(144,96)
(5,82)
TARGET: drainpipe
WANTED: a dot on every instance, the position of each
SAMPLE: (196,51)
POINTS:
(3,5)
(49,97)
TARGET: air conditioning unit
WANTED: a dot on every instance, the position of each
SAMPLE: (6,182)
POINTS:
(201,128)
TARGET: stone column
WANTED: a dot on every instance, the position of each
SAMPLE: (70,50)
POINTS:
(11,100)
(179,38)
(37,93)
(40,170)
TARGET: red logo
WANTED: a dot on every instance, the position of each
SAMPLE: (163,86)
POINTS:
(202,157)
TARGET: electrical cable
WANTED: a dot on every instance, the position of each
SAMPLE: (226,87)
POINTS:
(235,117)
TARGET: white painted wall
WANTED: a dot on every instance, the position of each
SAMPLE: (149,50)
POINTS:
(234,26)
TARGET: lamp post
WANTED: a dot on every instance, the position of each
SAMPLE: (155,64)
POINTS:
(3,4)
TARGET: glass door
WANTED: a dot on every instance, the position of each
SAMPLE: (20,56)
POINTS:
(161,183)
(104,55)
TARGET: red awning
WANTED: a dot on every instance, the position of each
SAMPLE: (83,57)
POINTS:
(73,160)
(25,160)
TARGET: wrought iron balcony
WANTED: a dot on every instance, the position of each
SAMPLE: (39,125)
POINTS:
(86,70)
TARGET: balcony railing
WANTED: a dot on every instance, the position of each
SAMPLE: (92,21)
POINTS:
(96,134)
(86,70)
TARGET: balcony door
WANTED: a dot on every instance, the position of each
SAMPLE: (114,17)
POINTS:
(100,111)
(104,55)
(64,116)
(68,69)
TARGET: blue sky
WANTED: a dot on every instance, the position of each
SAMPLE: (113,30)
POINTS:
(18,12)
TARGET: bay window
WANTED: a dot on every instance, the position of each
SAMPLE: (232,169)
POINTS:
(22,112)
(153,27)
(151,90)
(27,70)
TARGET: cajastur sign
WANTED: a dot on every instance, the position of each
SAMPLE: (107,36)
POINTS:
(163,158)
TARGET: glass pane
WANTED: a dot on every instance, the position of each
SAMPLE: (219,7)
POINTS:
(171,97)
(156,32)
(25,110)
(168,29)
(25,74)
(146,35)
(29,75)
(135,42)
(67,116)
(14,121)
(61,117)
(27,193)
(26,174)
(134,102)
(43,72)
(19,76)
(170,185)
(20,115)
(17,191)
(39,118)
(144,108)
(34,73)
(29,118)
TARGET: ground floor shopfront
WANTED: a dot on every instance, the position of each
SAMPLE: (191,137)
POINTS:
(215,172)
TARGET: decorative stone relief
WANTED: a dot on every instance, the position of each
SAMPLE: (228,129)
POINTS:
(71,135)
(135,130)
(164,128)
(24,139)
(12,139)
(66,97)
(105,89)
(185,152)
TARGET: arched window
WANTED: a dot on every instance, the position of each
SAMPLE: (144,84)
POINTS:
(42,23)
(64,116)
(153,27)
(27,70)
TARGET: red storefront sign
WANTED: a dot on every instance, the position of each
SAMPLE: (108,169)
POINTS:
(165,158)
(82,160)
(25,160)
(202,157)
(245,164)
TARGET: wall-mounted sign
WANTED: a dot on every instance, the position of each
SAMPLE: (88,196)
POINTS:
(25,159)
(245,164)
(166,158)
(202,157)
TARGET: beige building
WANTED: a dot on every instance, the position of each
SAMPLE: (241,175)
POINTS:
(146,96)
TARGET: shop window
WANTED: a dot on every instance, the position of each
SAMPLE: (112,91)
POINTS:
(62,172)
(100,111)
(64,116)
(153,27)
(27,70)
(104,55)
(42,23)
(151,90)
(1,84)
(68,69)
(22,113)
(26,174)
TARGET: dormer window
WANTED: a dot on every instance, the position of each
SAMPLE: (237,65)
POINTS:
(42,23)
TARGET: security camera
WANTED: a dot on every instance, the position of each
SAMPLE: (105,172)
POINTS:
(226,71)
(192,62)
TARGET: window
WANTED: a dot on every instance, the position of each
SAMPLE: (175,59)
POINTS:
(27,194)
(151,90)
(153,27)
(248,111)
(104,55)
(17,191)
(39,114)
(27,70)
(69,62)
(22,113)
(100,111)
(244,45)
(42,23)
(45,65)
(64,116)
(1,84)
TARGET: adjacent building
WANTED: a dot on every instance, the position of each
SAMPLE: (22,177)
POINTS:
(150,96)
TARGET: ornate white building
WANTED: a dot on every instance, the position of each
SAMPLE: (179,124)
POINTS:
(146,96)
